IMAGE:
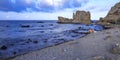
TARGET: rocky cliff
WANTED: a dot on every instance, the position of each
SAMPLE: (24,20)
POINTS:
(113,16)
(64,20)
(78,17)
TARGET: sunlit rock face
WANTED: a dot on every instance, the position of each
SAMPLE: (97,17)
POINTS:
(113,16)
(81,17)
(78,17)
(64,20)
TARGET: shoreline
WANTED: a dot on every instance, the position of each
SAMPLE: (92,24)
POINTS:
(26,37)
(85,48)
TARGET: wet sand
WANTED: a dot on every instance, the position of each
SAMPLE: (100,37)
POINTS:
(93,46)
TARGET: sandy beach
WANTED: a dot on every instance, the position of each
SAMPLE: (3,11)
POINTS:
(94,46)
(59,30)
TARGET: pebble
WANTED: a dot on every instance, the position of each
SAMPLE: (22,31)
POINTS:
(99,58)
(65,50)
(77,59)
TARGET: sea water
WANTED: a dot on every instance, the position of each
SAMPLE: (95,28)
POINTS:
(21,36)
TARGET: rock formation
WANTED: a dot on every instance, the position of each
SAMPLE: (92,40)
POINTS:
(78,17)
(64,20)
(113,17)
(81,17)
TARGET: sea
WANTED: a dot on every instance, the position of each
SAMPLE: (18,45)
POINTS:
(18,37)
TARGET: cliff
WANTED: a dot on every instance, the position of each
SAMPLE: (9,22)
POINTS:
(78,17)
(113,16)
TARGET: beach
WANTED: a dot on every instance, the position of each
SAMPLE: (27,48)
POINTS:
(21,37)
(59,30)
(94,46)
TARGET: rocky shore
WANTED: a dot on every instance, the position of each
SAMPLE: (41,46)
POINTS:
(104,45)
(82,17)
(113,16)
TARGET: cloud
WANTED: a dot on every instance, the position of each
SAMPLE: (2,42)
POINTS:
(35,15)
(38,5)
(51,9)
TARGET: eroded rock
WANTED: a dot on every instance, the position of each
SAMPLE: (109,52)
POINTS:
(78,17)
(113,17)
(82,17)
(64,20)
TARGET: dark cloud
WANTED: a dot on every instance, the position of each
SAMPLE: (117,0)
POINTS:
(21,5)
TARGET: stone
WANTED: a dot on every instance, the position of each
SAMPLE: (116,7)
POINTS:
(35,41)
(25,26)
(113,16)
(78,17)
(115,49)
(99,58)
(14,53)
(77,59)
(3,47)
(81,17)
(40,22)
(64,20)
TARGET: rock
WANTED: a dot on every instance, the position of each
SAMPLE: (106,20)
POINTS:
(7,26)
(81,17)
(45,40)
(42,26)
(3,47)
(40,22)
(113,17)
(41,31)
(14,53)
(25,26)
(78,17)
(35,42)
(108,37)
(77,59)
(51,24)
(80,32)
(64,20)
(29,40)
(99,58)
(115,49)
(103,58)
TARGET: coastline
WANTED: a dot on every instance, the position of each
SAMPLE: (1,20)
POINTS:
(85,48)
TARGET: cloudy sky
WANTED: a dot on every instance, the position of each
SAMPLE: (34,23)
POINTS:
(51,9)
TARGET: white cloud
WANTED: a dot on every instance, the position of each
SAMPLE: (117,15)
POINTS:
(35,15)
(13,1)
(97,8)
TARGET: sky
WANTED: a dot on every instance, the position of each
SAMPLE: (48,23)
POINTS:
(51,9)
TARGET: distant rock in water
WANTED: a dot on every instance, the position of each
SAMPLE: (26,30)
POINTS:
(64,20)
(25,26)
(78,17)
(113,17)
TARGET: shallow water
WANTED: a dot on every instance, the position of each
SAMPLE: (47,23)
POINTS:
(20,37)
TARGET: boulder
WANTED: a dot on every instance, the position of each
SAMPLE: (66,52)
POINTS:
(64,20)
(115,49)
(78,17)
(3,47)
(113,16)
